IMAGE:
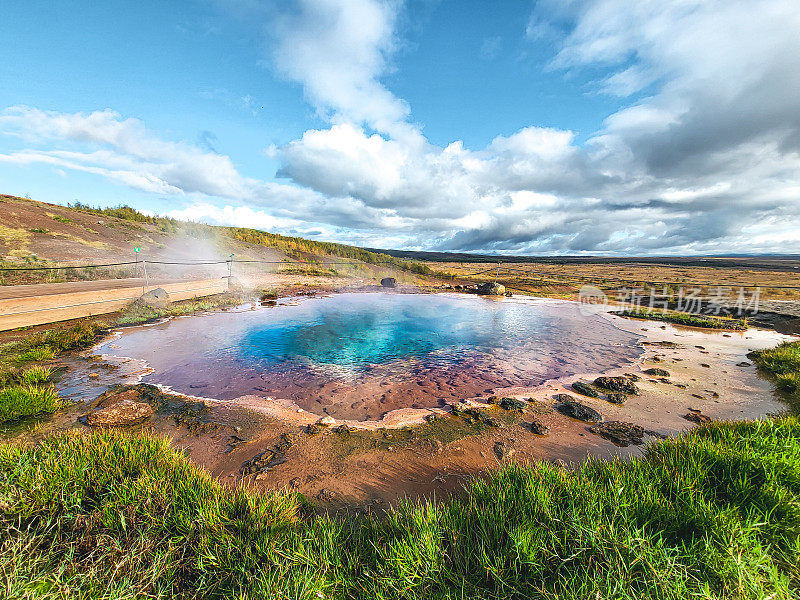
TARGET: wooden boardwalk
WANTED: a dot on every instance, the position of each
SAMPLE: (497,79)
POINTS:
(25,305)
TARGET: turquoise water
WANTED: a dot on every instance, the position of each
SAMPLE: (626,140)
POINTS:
(354,330)
(362,354)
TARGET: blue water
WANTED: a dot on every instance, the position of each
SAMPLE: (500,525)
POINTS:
(357,355)
(354,330)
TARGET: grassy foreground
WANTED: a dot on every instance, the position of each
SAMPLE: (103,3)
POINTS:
(783,362)
(715,513)
(686,319)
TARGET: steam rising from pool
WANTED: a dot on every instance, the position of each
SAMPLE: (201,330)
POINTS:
(357,356)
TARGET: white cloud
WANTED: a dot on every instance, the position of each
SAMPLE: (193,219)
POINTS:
(704,157)
(338,50)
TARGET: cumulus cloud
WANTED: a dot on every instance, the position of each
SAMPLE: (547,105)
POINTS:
(125,151)
(702,157)
(338,50)
(707,145)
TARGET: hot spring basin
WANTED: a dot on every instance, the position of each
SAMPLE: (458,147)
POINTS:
(358,356)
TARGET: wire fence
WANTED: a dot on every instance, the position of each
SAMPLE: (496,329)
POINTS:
(496,268)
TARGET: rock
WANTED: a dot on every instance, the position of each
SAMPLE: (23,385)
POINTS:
(743,364)
(511,404)
(617,384)
(459,407)
(657,372)
(429,418)
(284,444)
(263,462)
(502,452)
(539,428)
(157,298)
(619,432)
(492,289)
(389,282)
(564,398)
(697,417)
(327,421)
(94,376)
(120,414)
(707,366)
(632,376)
(325,495)
(576,410)
(115,395)
(616,398)
(585,389)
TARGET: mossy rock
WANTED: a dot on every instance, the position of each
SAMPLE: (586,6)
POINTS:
(585,389)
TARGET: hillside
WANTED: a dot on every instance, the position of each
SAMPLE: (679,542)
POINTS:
(37,235)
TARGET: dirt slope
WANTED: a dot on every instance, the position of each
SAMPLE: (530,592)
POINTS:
(35,233)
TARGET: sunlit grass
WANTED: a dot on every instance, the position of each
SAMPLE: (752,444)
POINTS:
(713,514)
(36,375)
(783,362)
(26,400)
(686,319)
(137,313)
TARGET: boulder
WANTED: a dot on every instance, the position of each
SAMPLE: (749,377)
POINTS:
(576,410)
(657,372)
(389,282)
(492,289)
(539,428)
(122,413)
(501,451)
(585,389)
(617,384)
(616,398)
(511,404)
(620,432)
(327,421)
(263,462)
(157,298)
(564,398)
(696,416)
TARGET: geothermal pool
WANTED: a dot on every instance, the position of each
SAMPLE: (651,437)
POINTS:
(360,355)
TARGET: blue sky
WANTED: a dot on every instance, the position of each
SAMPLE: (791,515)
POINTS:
(531,127)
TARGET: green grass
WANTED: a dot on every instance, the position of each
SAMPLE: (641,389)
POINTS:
(783,362)
(686,319)
(137,314)
(26,390)
(713,514)
(17,401)
(36,375)
(310,271)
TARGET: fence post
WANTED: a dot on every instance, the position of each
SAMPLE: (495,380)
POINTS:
(146,282)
